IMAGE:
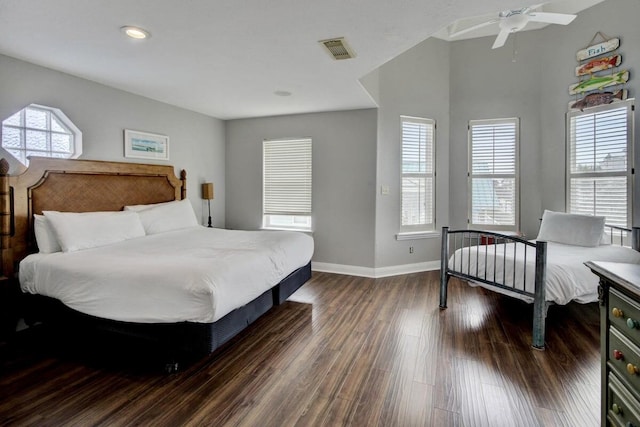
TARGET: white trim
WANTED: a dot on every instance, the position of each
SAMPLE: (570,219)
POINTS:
(418,235)
(301,230)
(374,273)
(351,270)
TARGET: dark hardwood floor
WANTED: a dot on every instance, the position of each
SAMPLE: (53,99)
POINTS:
(343,351)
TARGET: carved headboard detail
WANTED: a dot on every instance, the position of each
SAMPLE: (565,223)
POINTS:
(75,186)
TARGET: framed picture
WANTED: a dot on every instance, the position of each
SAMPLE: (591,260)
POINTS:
(143,145)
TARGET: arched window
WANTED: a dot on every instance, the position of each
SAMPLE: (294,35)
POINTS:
(37,130)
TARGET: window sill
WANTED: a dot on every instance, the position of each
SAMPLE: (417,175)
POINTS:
(300,230)
(418,235)
(509,233)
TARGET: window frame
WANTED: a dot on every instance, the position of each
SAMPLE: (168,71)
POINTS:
(516,175)
(425,227)
(292,219)
(74,132)
(629,105)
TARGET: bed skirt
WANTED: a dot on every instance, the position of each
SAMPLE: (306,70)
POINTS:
(176,339)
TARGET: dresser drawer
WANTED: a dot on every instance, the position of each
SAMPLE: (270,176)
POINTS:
(625,315)
(624,409)
(624,358)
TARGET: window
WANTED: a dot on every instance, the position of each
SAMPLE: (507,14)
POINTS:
(418,174)
(40,131)
(493,178)
(287,184)
(599,167)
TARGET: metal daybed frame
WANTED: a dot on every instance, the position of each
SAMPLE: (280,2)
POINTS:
(452,240)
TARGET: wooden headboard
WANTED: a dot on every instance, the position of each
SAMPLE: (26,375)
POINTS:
(75,186)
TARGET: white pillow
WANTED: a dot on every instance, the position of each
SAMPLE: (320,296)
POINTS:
(76,231)
(45,237)
(571,229)
(606,238)
(168,217)
(138,208)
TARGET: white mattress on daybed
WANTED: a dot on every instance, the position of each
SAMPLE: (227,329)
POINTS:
(196,274)
(568,279)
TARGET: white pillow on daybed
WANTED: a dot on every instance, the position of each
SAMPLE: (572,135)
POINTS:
(163,217)
(76,231)
(571,229)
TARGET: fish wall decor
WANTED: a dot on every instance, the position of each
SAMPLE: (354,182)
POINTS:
(598,64)
(598,49)
(599,82)
(598,98)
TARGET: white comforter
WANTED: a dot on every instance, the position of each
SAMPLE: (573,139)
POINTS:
(197,274)
(567,277)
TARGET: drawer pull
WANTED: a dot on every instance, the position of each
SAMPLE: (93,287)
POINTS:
(617,354)
(617,312)
(632,323)
(632,369)
(616,409)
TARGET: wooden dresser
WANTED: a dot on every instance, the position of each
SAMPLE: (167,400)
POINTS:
(619,294)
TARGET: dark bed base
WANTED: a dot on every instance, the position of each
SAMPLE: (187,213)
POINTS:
(290,284)
(176,339)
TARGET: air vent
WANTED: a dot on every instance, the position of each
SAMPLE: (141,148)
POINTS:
(338,48)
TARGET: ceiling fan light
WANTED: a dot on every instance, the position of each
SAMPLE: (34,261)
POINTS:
(514,22)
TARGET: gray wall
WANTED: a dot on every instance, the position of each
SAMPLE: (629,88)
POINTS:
(615,18)
(197,142)
(415,83)
(486,83)
(344,158)
(355,152)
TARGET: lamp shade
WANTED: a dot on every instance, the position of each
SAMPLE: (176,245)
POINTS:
(207,190)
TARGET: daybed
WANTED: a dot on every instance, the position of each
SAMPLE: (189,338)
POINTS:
(548,270)
(150,271)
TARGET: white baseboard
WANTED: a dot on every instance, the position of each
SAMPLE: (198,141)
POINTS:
(394,270)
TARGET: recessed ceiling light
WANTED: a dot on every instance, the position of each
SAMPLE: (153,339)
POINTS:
(135,32)
(282,93)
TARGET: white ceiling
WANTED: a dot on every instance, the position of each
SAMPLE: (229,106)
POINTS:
(226,58)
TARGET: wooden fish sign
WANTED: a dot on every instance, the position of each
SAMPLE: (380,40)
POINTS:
(598,49)
(599,82)
(598,98)
(598,64)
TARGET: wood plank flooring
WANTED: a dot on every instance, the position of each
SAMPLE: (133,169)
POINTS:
(342,351)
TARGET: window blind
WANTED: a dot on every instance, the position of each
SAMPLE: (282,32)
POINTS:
(287,177)
(493,178)
(599,176)
(418,174)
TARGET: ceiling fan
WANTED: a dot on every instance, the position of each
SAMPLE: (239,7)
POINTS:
(511,21)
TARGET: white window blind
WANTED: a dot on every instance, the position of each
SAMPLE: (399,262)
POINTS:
(287,183)
(493,178)
(418,174)
(599,169)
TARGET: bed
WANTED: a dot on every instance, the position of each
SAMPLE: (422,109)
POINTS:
(548,270)
(133,261)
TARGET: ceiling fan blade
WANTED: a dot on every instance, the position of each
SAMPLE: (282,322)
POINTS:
(501,39)
(472,28)
(551,18)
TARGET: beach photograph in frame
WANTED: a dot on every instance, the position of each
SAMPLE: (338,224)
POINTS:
(144,145)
